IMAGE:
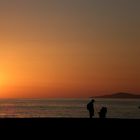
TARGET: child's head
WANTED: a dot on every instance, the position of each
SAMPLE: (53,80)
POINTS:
(92,100)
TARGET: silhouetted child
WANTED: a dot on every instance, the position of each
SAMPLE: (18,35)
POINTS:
(90,108)
(103,112)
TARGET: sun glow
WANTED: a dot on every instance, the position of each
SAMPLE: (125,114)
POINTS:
(3,84)
(3,79)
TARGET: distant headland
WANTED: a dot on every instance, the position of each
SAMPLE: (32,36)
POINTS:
(121,95)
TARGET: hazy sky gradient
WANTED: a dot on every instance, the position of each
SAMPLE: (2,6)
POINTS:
(69,48)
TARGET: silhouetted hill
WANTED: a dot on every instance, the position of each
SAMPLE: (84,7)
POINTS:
(120,95)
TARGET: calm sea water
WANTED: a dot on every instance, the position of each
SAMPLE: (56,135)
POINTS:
(25,108)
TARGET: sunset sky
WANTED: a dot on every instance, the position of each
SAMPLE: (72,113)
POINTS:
(69,48)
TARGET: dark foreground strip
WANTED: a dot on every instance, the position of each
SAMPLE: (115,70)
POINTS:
(70,126)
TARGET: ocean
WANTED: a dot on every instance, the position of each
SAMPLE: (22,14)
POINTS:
(67,108)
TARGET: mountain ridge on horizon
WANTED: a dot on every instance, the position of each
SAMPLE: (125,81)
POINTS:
(120,95)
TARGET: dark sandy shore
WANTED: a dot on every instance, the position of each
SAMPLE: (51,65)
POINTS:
(70,126)
(75,123)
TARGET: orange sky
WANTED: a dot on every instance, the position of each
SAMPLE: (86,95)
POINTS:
(68,49)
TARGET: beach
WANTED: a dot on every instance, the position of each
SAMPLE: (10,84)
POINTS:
(70,127)
(57,117)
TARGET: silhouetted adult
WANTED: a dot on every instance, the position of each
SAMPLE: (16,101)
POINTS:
(90,108)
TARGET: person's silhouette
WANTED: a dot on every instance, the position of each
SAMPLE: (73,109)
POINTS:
(90,108)
(103,112)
